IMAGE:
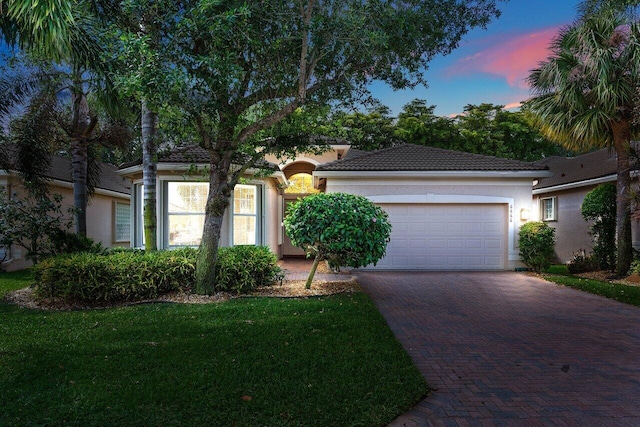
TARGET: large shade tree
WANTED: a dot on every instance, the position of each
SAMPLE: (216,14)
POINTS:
(585,93)
(241,67)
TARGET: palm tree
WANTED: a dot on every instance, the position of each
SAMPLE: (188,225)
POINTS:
(57,115)
(584,97)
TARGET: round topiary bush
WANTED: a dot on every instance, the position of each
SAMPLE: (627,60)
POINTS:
(345,229)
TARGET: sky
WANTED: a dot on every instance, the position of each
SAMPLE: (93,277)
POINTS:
(489,66)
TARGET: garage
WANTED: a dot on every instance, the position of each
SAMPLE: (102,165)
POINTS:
(449,210)
(446,237)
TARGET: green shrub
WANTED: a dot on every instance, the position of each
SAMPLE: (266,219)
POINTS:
(537,242)
(119,276)
(635,267)
(599,206)
(582,263)
(66,242)
(345,229)
(243,268)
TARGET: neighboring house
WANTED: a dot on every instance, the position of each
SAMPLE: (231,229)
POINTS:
(557,199)
(108,212)
(449,210)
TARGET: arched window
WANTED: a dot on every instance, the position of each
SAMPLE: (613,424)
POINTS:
(301,183)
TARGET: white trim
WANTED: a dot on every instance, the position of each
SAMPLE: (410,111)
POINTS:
(577,184)
(101,191)
(513,254)
(439,198)
(290,162)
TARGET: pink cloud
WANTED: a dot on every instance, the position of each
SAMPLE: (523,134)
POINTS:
(511,57)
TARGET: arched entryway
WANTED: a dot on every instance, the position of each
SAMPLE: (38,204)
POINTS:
(300,185)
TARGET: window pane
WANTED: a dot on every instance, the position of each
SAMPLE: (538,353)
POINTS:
(123,222)
(548,213)
(244,199)
(187,197)
(244,230)
(185,230)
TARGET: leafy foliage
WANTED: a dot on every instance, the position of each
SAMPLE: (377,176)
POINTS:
(482,129)
(122,274)
(115,277)
(586,95)
(599,206)
(345,229)
(537,241)
(236,68)
(581,263)
(33,223)
(243,268)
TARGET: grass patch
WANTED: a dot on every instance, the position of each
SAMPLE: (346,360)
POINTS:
(14,281)
(247,362)
(617,291)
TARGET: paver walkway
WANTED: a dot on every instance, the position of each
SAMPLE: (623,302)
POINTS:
(299,268)
(511,349)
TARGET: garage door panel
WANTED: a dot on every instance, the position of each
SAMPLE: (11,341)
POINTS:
(446,237)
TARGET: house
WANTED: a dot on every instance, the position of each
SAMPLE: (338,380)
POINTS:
(449,210)
(557,199)
(108,212)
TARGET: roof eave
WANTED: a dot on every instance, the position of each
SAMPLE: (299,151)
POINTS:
(433,174)
(170,167)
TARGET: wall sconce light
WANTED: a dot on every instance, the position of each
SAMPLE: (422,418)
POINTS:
(525,214)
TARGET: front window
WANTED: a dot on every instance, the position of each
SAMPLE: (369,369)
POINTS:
(245,214)
(548,208)
(186,203)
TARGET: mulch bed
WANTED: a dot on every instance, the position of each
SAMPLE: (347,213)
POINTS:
(288,289)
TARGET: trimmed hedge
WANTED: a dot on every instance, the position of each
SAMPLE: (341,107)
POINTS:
(121,275)
(537,241)
(115,277)
(243,268)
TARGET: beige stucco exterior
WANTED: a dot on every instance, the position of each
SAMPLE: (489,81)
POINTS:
(100,216)
(572,231)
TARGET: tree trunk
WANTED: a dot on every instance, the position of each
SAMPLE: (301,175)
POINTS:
(217,203)
(149,125)
(81,125)
(79,162)
(312,273)
(622,138)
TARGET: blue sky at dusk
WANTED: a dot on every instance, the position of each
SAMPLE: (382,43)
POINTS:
(490,65)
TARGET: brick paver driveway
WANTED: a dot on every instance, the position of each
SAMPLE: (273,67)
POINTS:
(511,349)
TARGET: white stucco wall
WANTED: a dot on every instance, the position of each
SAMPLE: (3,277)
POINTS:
(515,192)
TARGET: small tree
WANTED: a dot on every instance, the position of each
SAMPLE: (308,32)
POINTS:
(34,223)
(599,205)
(343,228)
(537,242)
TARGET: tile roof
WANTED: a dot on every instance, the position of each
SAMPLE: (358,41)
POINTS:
(61,170)
(567,170)
(188,154)
(410,157)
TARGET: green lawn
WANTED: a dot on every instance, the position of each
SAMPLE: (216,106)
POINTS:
(247,362)
(620,292)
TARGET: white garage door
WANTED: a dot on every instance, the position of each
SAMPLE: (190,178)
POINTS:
(446,237)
